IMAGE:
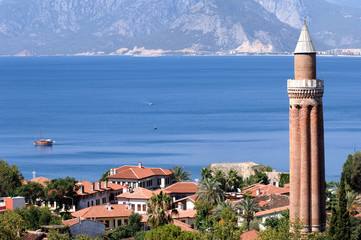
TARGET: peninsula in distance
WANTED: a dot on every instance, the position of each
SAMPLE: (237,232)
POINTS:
(182,27)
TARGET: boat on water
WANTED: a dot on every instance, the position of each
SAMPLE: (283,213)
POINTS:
(43,142)
(155,126)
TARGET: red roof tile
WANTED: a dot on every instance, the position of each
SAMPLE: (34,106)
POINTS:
(270,211)
(181,187)
(183,226)
(87,187)
(41,180)
(101,211)
(138,193)
(190,213)
(250,235)
(264,190)
(136,172)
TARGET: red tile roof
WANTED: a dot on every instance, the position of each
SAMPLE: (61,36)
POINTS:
(270,211)
(358,215)
(192,198)
(181,187)
(264,190)
(136,172)
(41,180)
(101,211)
(250,235)
(190,213)
(138,193)
(87,187)
(183,226)
(73,221)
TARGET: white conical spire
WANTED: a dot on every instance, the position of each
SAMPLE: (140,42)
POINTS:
(305,44)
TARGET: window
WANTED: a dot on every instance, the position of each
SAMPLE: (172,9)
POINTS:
(125,221)
(106,223)
(119,222)
(159,181)
(104,200)
(139,208)
(97,202)
(133,207)
(88,204)
(144,208)
(92,203)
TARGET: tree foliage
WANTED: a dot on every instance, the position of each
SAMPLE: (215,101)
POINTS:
(33,192)
(202,218)
(258,177)
(352,171)
(340,221)
(126,230)
(159,207)
(248,207)
(10,179)
(104,176)
(11,226)
(284,179)
(179,175)
(233,181)
(209,190)
(171,232)
(62,191)
(206,172)
(35,217)
(226,228)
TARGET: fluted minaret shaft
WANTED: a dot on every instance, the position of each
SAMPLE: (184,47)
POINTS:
(307,171)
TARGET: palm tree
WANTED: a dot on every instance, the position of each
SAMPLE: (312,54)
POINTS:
(217,212)
(248,207)
(180,175)
(209,190)
(206,172)
(160,209)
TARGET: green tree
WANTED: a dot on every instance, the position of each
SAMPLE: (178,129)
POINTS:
(220,177)
(248,207)
(126,230)
(340,221)
(33,192)
(179,175)
(268,169)
(140,235)
(202,218)
(284,179)
(206,172)
(352,171)
(10,178)
(258,177)
(234,181)
(35,217)
(226,228)
(11,226)
(85,237)
(189,235)
(104,176)
(220,208)
(160,209)
(209,190)
(165,232)
(62,191)
(56,235)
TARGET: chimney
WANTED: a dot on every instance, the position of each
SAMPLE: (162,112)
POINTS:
(108,207)
(105,184)
(111,172)
(81,189)
(140,165)
(92,186)
(258,191)
(180,206)
(99,186)
(277,184)
(78,219)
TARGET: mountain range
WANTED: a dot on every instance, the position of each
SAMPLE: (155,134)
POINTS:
(57,27)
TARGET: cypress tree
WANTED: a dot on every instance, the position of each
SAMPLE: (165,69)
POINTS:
(340,221)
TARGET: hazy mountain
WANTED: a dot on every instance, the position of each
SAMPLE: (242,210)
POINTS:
(38,27)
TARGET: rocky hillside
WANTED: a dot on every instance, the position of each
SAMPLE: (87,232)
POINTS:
(50,27)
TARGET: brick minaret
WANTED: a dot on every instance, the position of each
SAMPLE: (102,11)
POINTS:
(307,161)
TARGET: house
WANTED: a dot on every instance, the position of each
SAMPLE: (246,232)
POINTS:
(180,190)
(257,190)
(140,176)
(41,180)
(112,215)
(84,226)
(185,216)
(99,193)
(275,212)
(11,203)
(273,201)
(186,203)
(136,199)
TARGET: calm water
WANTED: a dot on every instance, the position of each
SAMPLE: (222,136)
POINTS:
(207,109)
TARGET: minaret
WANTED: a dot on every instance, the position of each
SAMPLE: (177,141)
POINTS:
(307,161)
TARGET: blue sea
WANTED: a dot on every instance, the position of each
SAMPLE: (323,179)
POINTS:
(206,109)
